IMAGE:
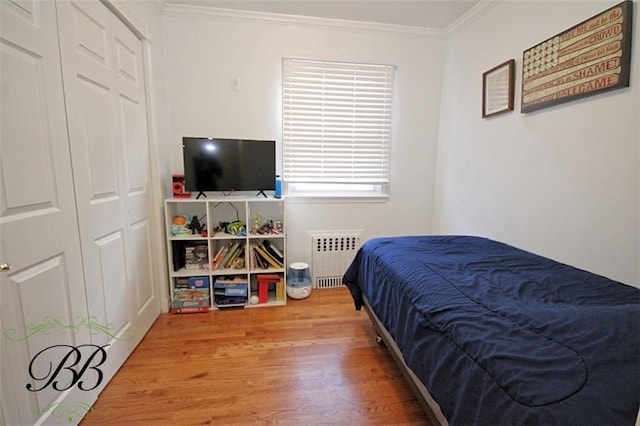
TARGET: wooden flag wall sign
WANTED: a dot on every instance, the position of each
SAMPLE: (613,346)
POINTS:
(589,58)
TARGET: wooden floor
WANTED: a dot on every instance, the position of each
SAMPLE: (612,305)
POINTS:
(313,361)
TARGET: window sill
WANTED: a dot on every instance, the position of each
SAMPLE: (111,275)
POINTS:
(325,198)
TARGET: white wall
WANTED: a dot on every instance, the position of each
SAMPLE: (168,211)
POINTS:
(205,52)
(146,15)
(562,181)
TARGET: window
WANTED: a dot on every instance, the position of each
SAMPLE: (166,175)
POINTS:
(336,128)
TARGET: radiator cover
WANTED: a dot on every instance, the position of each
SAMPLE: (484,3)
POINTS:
(331,255)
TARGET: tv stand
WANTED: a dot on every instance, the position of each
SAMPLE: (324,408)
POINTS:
(261,192)
(201,193)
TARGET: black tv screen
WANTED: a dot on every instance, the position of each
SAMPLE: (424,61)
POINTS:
(214,164)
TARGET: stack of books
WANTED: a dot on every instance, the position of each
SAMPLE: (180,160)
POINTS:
(196,256)
(191,295)
(265,255)
(227,256)
(230,292)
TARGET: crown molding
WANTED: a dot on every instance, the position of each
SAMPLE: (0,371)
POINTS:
(229,15)
(122,11)
(481,8)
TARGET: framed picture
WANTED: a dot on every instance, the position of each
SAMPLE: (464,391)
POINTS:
(497,89)
(589,58)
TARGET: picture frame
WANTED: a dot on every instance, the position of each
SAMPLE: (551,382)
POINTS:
(497,89)
(589,58)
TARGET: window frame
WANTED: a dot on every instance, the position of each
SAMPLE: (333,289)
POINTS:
(327,124)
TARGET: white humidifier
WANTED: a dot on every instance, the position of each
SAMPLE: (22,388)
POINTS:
(298,280)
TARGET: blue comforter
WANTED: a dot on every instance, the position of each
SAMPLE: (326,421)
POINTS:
(501,336)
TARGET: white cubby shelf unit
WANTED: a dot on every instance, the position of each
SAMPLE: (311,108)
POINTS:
(229,265)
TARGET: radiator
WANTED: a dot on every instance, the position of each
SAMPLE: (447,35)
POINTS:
(331,255)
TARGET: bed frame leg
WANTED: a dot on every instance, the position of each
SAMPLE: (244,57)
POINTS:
(379,341)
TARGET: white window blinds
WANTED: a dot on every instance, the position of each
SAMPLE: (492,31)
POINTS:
(336,122)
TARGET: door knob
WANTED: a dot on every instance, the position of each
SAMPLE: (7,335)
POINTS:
(5,266)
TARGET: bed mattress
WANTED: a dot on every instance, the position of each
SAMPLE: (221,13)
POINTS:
(501,336)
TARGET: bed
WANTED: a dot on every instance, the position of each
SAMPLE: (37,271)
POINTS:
(489,334)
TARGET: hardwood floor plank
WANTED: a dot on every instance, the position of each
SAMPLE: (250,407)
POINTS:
(314,361)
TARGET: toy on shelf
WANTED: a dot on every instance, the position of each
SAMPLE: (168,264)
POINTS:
(181,228)
(264,227)
(237,228)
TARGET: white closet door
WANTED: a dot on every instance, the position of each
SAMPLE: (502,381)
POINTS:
(132,113)
(104,87)
(42,295)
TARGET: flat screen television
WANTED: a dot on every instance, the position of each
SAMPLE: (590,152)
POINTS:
(227,165)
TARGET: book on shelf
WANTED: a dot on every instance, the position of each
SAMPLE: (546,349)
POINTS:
(181,283)
(215,262)
(230,253)
(190,298)
(230,291)
(230,302)
(256,260)
(227,254)
(273,251)
(198,282)
(237,254)
(191,282)
(236,286)
(262,252)
(231,279)
(222,254)
(196,256)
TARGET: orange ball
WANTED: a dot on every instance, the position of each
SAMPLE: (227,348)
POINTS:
(179,220)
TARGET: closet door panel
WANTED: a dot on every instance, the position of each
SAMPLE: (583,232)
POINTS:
(144,296)
(111,253)
(96,154)
(42,297)
(130,86)
(102,180)
(102,71)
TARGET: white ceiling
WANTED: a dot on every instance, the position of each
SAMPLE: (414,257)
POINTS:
(435,14)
